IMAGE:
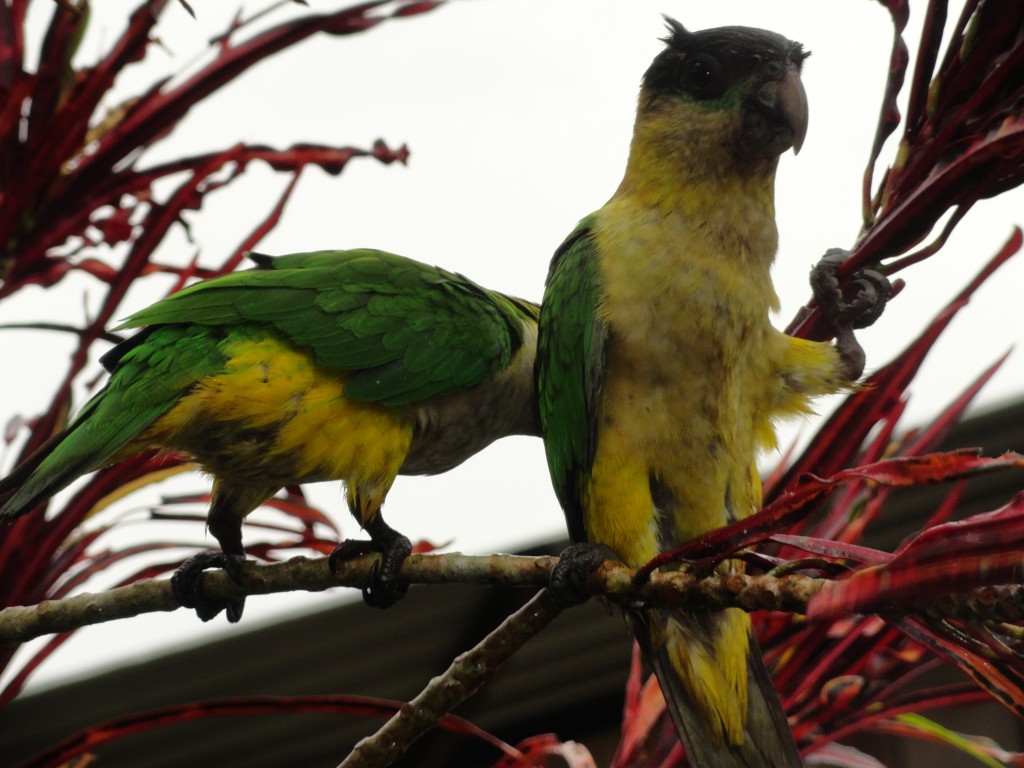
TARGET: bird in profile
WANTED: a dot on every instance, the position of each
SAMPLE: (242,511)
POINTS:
(355,365)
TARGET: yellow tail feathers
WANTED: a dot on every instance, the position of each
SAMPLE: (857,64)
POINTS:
(716,688)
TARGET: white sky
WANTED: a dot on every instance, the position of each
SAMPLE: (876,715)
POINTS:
(518,115)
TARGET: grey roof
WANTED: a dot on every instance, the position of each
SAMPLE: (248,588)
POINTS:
(568,680)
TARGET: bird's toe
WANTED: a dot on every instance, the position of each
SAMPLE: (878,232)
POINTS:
(385,585)
(568,582)
(186,584)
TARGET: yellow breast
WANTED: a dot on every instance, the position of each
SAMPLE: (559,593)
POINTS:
(274,416)
(679,419)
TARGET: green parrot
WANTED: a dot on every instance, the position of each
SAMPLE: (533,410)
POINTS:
(659,373)
(337,365)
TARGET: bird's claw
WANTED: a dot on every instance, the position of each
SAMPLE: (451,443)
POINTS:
(872,292)
(858,303)
(568,582)
(384,584)
(186,584)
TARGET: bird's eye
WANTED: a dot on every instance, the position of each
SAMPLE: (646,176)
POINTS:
(702,77)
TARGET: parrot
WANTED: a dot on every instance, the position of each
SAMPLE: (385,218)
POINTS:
(355,365)
(660,375)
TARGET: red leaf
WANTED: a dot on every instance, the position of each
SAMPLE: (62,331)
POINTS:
(535,751)
(899,472)
(88,739)
(835,550)
(411,9)
(97,269)
(1004,682)
(954,557)
(838,441)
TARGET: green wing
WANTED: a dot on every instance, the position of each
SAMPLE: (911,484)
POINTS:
(154,369)
(570,368)
(403,330)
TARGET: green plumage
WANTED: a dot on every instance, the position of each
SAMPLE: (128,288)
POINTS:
(151,377)
(404,331)
(352,365)
(658,370)
(569,368)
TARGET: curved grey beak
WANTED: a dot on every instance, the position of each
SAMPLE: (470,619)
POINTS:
(792,105)
(775,116)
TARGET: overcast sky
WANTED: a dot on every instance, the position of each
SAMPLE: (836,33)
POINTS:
(518,115)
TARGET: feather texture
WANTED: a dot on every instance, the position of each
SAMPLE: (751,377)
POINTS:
(336,365)
(401,330)
(659,372)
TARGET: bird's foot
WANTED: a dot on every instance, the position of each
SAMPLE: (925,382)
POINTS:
(568,581)
(188,590)
(857,304)
(384,586)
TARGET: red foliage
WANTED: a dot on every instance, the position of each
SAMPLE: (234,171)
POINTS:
(74,184)
(839,672)
(963,135)
(82,743)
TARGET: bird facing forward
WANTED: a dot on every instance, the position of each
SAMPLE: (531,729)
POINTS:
(660,375)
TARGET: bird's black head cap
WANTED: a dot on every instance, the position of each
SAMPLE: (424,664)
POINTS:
(708,64)
(752,73)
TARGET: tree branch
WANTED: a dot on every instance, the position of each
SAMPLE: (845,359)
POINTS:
(612,580)
(21,623)
(461,680)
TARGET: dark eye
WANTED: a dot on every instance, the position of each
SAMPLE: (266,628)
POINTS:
(702,77)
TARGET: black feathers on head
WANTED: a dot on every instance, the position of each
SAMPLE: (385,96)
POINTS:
(705,65)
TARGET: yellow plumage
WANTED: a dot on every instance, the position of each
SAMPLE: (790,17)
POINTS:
(288,421)
(660,374)
(695,376)
(349,365)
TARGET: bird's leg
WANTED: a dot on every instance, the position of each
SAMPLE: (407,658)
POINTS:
(857,304)
(385,587)
(230,504)
(568,581)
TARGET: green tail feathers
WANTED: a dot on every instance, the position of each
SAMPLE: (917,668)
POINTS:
(150,373)
(81,448)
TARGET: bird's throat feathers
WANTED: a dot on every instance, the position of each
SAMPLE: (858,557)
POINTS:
(673,211)
(675,166)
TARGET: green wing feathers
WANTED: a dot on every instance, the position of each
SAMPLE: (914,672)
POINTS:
(403,330)
(150,373)
(570,368)
(400,330)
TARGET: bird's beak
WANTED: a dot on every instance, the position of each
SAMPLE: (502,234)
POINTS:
(776,116)
(792,105)
(786,100)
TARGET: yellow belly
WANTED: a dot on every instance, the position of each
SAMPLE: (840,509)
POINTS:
(273,416)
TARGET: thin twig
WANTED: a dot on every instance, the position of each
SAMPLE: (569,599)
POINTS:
(461,680)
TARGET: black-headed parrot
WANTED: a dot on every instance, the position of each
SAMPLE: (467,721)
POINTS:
(660,374)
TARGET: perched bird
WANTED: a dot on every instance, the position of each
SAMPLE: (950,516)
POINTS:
(659,374)
(337,365)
